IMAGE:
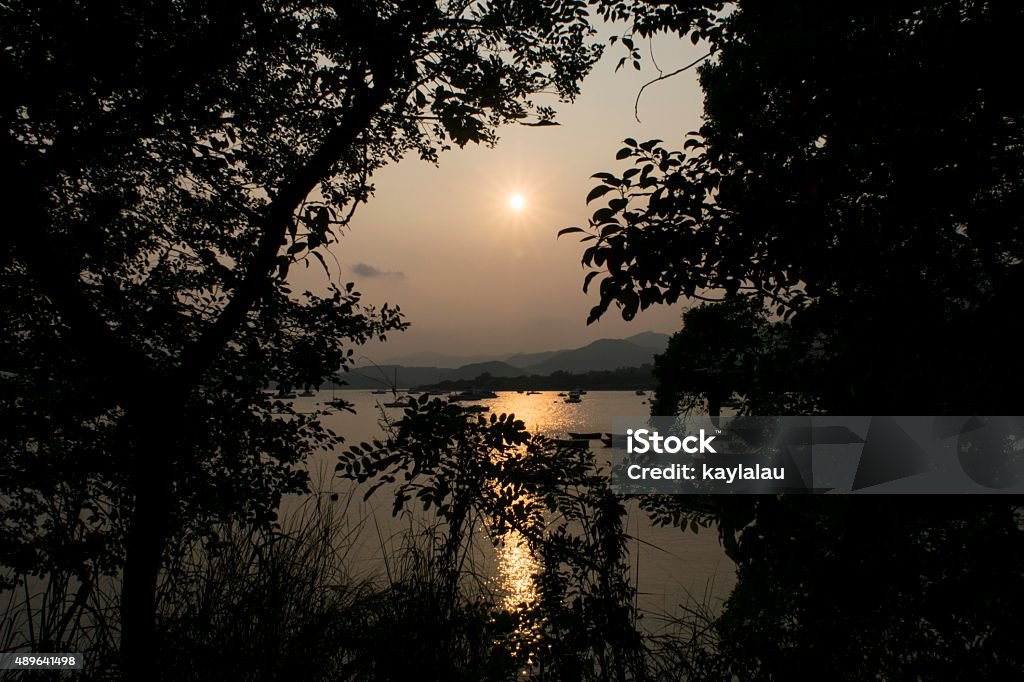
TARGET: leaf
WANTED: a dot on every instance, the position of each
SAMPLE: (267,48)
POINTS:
(598,192)
(589,278)
(623,153)
(570,230)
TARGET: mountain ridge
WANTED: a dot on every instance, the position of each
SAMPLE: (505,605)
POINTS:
(599,355)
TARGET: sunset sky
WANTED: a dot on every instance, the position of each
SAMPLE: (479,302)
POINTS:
(468,248)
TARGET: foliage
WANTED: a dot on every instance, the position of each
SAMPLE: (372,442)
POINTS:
(490,473)
(710,360)
(895,589)
(858,174)
(863,177)
(165,166)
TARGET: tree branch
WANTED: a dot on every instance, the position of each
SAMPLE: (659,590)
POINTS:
(636,104)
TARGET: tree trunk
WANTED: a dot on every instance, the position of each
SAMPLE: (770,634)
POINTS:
(157,440)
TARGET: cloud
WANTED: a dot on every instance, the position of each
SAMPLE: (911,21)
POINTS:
(367,270)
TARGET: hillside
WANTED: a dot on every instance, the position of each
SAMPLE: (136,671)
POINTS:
(603,355)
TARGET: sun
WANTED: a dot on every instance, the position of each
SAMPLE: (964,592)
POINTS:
(517,202)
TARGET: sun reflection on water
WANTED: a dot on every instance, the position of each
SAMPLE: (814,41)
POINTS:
(545,414)
(516,567)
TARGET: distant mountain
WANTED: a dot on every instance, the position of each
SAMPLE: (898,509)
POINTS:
(523,360)
(433,359)
(603,354)
(655,340)
(382,376)
(494,368)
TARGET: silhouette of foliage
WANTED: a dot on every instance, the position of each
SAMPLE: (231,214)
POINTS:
(858,176)
(165,165)
(489,473)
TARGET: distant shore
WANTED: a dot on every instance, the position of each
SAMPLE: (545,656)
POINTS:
(623,379)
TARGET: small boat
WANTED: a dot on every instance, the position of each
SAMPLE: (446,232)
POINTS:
(473,394)
(380,391)
(307,394)
(571,442)
(640,391)
(574,397)
(475,408)
(397,403)
(589,435)
(533,393)
(284,395)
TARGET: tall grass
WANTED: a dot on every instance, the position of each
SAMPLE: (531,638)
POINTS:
(275,605)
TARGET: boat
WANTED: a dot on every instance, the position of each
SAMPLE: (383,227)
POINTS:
(475,408)
(473,394)
(533,393)
(307,394)
(589,435)
(640,391)
(397,403)
(571,442)
(340,404)
(380,391)
(284,395)
(574,397)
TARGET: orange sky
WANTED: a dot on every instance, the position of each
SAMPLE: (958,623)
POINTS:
(476,277)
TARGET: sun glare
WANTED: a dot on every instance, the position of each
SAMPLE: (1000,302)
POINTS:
(517,202)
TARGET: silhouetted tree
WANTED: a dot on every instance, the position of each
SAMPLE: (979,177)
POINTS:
(862,176)
(711,359)
(164,166)
(860,168)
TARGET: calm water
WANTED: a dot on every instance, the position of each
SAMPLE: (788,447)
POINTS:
(672,568)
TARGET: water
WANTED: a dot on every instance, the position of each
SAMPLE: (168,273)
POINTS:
(672,568)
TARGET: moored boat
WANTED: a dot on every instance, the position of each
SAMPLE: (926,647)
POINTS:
(571,442)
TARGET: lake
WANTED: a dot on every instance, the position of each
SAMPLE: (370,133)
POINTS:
(672,567)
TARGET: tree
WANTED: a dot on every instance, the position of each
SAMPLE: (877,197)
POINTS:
(165,165)
(709,360)
(862,177)
(490,475)
(859,168)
